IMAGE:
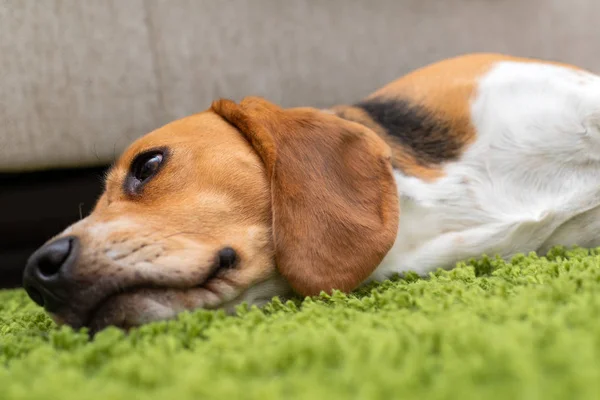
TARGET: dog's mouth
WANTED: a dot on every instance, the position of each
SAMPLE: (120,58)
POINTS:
(132,305)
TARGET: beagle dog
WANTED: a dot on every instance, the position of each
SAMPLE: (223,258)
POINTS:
(479,154)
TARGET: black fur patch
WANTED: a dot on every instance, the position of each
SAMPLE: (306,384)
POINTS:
(428,138)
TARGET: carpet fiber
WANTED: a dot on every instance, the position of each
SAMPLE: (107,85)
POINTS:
(527,329)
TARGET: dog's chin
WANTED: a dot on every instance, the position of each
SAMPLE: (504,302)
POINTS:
(138,306)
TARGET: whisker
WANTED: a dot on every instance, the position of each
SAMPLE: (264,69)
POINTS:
(80,211)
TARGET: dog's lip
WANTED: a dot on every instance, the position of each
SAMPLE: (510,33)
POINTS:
(93,311)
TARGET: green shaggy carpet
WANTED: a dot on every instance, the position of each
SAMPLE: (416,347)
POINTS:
(527,329)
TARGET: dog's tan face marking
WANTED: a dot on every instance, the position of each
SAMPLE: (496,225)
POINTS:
(159,247)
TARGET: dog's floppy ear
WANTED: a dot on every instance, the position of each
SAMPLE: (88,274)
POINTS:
(333,197)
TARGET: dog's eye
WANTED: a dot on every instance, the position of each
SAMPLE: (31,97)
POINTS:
(146,166)
(143,167)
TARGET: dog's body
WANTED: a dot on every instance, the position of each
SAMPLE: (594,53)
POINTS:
(490,154)
(512,163)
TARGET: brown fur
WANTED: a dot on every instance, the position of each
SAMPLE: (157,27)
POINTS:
(333,197)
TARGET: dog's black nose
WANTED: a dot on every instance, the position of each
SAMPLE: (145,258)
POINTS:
(45,277)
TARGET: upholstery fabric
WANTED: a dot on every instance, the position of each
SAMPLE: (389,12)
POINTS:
(79,80)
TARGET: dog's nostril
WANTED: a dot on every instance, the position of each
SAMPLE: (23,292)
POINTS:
(50,266)
(53,257)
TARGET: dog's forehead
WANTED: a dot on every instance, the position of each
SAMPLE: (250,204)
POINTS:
(203,153)
(205,131)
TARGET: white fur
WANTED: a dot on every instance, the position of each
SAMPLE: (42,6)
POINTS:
(529,182)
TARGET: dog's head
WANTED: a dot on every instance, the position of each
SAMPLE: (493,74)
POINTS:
(239,203)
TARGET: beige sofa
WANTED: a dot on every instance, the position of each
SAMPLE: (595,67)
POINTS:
(81,79)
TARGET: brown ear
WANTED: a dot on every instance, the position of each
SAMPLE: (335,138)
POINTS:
(334,200)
